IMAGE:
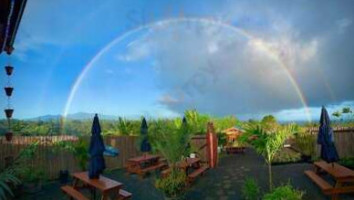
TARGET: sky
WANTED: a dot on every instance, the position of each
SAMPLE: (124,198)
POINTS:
(158,58)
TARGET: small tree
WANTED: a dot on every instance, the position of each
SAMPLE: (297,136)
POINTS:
(267,143)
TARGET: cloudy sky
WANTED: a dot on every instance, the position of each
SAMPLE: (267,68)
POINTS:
(159,58)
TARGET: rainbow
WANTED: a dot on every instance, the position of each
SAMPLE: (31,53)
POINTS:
(261,45)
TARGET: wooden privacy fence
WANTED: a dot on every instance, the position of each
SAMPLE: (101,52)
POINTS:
(52,162)
(343,138)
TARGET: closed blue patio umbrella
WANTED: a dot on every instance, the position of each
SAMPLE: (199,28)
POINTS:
(97,163)
(145,145)
(326,140)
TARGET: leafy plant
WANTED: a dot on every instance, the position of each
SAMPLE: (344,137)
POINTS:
(197,122)
(267,142)
(286,155)
(7,181)
(80,152)
(348,162)
(305,142)
(250,190)
(173,185)
(172,142)
(32,174)
(286,192)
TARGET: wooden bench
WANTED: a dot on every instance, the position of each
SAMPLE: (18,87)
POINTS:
(124,195)
(152,168)
(231,150)
(197,172)
(73,193)
(324,185)
(165,172)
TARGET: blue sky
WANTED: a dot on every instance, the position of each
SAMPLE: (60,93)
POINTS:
(220,57)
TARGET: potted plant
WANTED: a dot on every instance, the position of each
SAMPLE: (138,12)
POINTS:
(9,112)
(8,135)
(8,91)
(9,69)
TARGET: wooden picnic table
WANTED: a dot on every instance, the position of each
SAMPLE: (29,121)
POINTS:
(105,185)
(344,178)
(143,164)
(187,163)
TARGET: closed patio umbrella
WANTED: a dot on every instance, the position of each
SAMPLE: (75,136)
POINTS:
(145,145)
(325,139)
(97,163)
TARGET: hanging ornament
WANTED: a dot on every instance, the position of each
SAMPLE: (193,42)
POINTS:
(8,91)
(9,135)
(9,112)
(9,69)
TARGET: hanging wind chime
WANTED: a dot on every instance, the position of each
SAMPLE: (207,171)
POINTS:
(9,71)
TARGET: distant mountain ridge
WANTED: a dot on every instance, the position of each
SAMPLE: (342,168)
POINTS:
(74,116)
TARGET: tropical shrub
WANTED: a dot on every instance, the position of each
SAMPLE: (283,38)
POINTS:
(305,142)
(8,179)
(286,192)
(267,142)
(250,190)
(197,122)
(173,185)
(286,155)
(80,152)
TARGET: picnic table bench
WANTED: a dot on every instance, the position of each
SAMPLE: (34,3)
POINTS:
(186,165)
(105,185)
(231,150)
(344,178)
(144,164)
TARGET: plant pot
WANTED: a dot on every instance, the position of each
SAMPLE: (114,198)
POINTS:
(8,91)
(9,69)
(63,176)
(8,136)
(9,113)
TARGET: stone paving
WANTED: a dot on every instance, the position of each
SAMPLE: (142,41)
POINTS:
(223,183)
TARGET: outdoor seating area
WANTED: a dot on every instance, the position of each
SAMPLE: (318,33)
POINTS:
(177,100)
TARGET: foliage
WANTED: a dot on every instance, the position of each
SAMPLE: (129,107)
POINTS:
(305,142)
(222,138)
(347,161)
(196,121)
(172,142)
(7,180)
(9,175)
(174,184)
(32,174)
(267,142)
(344,115)
(269,123)
(250,190)
(286,155)
(286,192)
(80,152)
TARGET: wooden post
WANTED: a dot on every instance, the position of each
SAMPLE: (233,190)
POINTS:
(212,145)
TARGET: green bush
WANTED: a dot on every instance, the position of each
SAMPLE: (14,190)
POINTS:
(250,190)
(348,162)
(305,142)
(286,192)
(286,155)
(173,185)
